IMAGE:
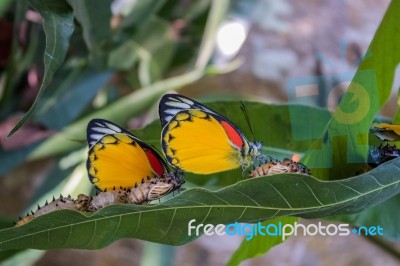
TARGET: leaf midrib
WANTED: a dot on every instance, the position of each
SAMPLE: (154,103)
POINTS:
(205,206)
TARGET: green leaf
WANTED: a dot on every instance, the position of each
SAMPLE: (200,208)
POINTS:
(159,47)
(345,143)
(125,56)
(140,12)
(259,245)
(351,141)
(4,5)
(26,257)
(385,215)
(64,108)
(10,159)
(247,201)
(58,24)
(95,18)
(152,46)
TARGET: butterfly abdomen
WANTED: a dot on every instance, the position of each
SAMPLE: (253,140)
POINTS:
(153,189)
(138,194)
(273,168)
(106,198)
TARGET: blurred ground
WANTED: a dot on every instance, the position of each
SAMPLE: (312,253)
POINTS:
(285,39)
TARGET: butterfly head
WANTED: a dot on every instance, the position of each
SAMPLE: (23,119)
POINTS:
(176,179)
(253,154)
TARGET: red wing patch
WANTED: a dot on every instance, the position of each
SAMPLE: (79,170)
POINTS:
(155,163)
(233,135)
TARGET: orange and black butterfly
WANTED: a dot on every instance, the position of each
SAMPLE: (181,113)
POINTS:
(197,139)
(117,159)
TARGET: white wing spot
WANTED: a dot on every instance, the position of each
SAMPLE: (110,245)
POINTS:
(172,111)
(96,136)
(186,101)
(103,130)
(173,99)
(115,128)
(178,105)
(168,118)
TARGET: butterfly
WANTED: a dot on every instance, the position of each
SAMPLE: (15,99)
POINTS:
(119,159)
(197,139)
(386,132)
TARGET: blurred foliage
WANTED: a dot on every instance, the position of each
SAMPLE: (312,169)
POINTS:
(345,143)
(69,61)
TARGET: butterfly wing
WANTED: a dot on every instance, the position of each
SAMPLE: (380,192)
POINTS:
(198,140)
(171,104)
(386,131)
(119,159)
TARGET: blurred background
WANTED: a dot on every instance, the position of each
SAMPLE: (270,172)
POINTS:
(131,52)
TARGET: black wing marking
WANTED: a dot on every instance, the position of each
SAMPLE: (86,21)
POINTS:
(171,104)
(98,128)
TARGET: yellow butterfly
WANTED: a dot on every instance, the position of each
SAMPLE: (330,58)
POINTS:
(119,160)
(386,132)
(196,139)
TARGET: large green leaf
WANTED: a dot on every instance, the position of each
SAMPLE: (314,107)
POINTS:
(58,24)
(385,215)
(250,200)
(350,140)
(345,143)
(65,107)
(96,26)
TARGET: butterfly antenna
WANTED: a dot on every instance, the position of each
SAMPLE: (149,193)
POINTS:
(246,115)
